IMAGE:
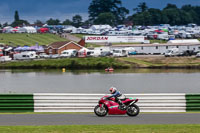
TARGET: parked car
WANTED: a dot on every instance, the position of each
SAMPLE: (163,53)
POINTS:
(187,53)
(69,53)
(198,55)
(105,53)
(55,56)
(120,53)
(5,58)
(132,53)
(44,55)
(93,53)
(172,52)
(26,55)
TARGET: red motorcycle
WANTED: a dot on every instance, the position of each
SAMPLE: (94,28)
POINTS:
(111,107)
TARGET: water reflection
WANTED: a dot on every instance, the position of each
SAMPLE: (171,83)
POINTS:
(94,81)
(77,72)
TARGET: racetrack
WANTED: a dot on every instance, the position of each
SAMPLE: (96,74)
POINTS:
(91,119)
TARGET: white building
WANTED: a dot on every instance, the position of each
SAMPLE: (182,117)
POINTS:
(162,48)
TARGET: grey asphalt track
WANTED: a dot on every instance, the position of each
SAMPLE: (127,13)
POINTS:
(91,119)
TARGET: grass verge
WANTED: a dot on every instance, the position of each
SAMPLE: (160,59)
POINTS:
(180,128)
(162,62)
(68,63)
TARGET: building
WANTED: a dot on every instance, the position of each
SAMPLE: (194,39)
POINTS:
(58,47)
(161,48)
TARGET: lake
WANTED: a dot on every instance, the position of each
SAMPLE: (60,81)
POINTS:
(127,81)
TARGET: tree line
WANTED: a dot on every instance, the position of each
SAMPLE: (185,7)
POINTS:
(113,13)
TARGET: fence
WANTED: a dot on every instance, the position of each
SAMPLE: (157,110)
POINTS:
(87,102)
(16,103)
(66,102)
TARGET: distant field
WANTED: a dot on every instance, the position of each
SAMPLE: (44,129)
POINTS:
(29,39)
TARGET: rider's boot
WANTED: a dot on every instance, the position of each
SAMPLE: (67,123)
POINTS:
(121,105)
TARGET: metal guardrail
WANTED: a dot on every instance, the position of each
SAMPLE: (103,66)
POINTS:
(66,102)
(16,103)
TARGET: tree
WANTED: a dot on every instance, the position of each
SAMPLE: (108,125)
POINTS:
(77,21)
(5,24)
(67,22)
(142,7)
(17,21)
(53,21)
(105,18)
(156,16)
(16,17)
(104,6)
(173,15)
(142,15)
(169,6)
(38,22)
(86,24)
(142,18)
(20,23)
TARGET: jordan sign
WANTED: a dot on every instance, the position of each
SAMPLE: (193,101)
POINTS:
(114,39)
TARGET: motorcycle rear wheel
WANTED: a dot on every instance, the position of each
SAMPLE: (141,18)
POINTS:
(100,111)
(132,110)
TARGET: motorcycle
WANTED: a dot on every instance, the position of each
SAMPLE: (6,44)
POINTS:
(111,107)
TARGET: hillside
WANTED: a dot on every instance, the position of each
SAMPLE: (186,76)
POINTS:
(29,39)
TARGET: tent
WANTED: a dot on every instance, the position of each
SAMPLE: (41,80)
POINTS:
(43,30)
(165,30)
(37,48)
(159,31)
(25,48)
(27,29)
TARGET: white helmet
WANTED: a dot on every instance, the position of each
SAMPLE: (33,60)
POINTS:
(112,90)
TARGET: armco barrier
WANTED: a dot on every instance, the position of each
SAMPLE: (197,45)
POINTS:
(64,102)
(53,102)
(16,103)
(192,102)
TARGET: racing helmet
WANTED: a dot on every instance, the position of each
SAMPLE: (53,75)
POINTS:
(112,90)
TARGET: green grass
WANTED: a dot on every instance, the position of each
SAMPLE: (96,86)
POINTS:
(92,45)
(68,63)
(29,39)
(137,61)
(158,41)
(79,35)
(157,62)
(189,128)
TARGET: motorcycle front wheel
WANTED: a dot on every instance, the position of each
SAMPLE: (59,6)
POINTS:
(132,110)
(100,111)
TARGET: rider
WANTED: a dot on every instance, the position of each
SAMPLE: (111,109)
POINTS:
(117,95)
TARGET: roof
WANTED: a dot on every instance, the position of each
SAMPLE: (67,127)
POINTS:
(184,41)
(58,45)
(153,45)
(100,27)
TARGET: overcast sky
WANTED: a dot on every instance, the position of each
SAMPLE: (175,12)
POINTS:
(33,10)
